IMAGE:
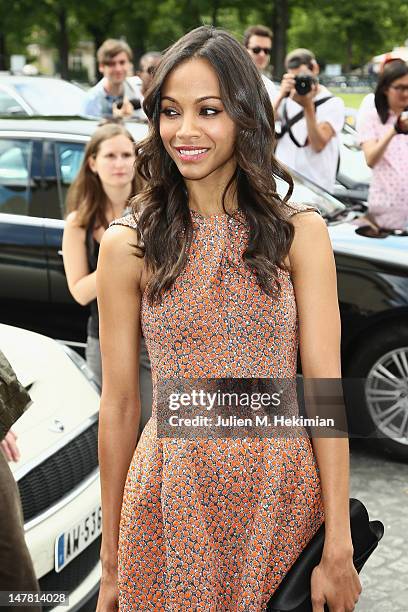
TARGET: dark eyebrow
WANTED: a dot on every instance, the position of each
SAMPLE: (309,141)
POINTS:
(196,101)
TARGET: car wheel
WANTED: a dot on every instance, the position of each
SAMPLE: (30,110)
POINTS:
(383,364)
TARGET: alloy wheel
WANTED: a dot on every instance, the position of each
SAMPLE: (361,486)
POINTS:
(386,391)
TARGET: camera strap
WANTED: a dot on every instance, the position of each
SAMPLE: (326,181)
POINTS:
(289,123)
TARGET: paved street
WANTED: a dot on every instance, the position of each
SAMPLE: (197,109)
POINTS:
(382,485)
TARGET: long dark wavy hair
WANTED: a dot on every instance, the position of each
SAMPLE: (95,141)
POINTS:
(164,221)
(393,71)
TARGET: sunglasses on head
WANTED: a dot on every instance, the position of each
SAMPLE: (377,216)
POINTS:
(256,50)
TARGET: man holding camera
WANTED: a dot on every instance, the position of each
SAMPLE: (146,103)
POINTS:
(113,96)
(311,119)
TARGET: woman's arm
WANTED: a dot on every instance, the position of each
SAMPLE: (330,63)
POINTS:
(314,277)
(375,149)
(81,283)
(118,287)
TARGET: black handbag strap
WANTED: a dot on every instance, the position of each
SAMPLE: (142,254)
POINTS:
(289,123)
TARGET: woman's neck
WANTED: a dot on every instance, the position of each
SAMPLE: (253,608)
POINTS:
(117,199)
(206,195)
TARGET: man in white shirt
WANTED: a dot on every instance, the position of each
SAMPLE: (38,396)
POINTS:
(258,42)
(112,95)
(309,145)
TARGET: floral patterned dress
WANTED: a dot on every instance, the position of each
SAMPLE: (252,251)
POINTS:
(214,525)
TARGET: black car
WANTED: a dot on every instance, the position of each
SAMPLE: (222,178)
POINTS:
(38,161)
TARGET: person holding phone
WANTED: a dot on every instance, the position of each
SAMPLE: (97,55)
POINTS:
(113,95)
(383,135)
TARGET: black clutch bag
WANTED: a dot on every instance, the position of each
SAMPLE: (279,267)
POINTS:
(293,594)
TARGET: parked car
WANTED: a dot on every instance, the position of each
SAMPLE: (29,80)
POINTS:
(38,161)
(353,176)
(32,95)
(58,474)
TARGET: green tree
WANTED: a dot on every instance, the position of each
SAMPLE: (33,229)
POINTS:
(349,32)
(15,27)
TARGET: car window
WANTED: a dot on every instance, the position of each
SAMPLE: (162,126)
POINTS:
(10,106)
(69,159)
(15,164)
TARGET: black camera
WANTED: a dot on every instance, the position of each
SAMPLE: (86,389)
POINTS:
(303,83)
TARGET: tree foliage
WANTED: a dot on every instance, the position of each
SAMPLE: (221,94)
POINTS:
(349,32)
(342,31)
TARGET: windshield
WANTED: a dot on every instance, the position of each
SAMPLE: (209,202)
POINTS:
(52,97)
(305,192)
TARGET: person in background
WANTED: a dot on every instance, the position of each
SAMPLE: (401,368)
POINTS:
(16,567)
(258,43)
(141,82)
(100,193)
(383,135)
(367,103)
(113,95)
(310,145)
(148,63)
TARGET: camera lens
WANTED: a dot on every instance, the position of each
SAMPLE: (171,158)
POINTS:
(303,84)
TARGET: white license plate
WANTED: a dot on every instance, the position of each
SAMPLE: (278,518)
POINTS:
(72,542)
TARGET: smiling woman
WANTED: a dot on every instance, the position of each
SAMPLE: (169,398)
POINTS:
(196,128)
(222,289)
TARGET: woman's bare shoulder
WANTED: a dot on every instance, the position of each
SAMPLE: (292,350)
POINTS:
(118,251)
(292,209)
(311,240)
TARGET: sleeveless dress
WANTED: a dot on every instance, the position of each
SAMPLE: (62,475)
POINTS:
(214,525)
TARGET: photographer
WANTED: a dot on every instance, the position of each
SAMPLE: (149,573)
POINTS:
(113,95)
(311,118)
(383,133)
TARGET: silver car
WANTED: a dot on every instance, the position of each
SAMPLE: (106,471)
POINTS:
(23,95)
